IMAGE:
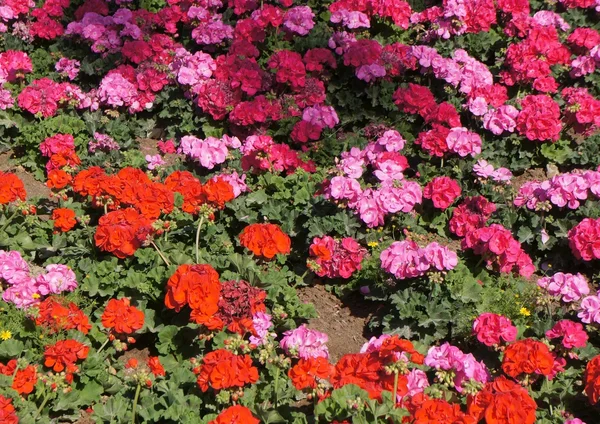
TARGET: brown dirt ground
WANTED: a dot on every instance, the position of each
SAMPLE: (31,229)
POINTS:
(33,187)
(538,174)
(148,146)
(343,320)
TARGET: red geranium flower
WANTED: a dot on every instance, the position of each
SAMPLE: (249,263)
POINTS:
(236,414)
(123,318)
(266,240)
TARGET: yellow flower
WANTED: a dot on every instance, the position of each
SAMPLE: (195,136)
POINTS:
(35,296)
(373,244)
(524,311)
(5,334)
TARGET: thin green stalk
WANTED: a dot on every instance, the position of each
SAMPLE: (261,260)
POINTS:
(165,260)
(135,401)
(198,239)
(41,408)
(103,345)
(9,220)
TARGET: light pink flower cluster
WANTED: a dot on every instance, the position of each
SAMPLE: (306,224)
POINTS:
(236,181)
(491,329)
(154,161)
(584,239)
(569,287)
(350,19)
(208,153)
(450,358)
(405,259)
(463,142)
(572,333)
(500,249)
(589,310)
(26,289)
(299,20)
(333,258)
(305,343)
(262,322)
(102,142)
(68,67)
(191,69)
(321,116)
(115,90)
(485,170)
(562,190)
(500,120)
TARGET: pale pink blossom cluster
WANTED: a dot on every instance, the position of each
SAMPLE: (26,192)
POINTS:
(305,343)
(350,19)
(566,189)
(405,259)
(589,310)
(549,18)
(102,142)
(500,120)
(569,287)
(299,20)
(262,322)
(450,358)
(191,69)
(68,67)
(485,170)
(26,289)
(463,142)
(106,32)
(115,90)
(213,31)
(154,161)
(341,41)
(321,116)
(209,152)
(236,181)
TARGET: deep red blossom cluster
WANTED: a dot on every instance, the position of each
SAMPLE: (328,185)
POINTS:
(539,118)
(238,302)
(335,258)
(500,249)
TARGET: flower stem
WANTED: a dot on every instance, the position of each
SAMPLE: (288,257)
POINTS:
(103,345)
(9,220)
(165,260)
(394,395)
(198,239)
(135,401)
(41,408)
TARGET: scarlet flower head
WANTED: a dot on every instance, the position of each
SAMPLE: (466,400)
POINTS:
(236,414)
(64,354)
(307,372)
(222,369)
(121,317)
(56,314)
(11,188)
(527,357)
(64,219)
(265,240)
(8,414)
(503,401)
(122,232)
(24,380)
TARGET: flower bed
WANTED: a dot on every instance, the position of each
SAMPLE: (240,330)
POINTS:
(202,161)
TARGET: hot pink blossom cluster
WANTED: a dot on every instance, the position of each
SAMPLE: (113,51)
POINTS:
(500,249)
(470,215)
(26,289)
(356,13)
(133,88)
(539,118)
(584,239)
(56,144)
(442,191)
(491,329)
(569,287)
(582,110)
(450,358)
(572,333)
(261,153)
(562,190)
(299,20)
(405,259)
(44,97)
(334,258)
(305,343)
(14,65)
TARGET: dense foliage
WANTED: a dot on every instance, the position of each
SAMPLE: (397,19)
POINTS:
(200,161)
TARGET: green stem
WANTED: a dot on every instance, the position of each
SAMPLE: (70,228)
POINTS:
(165,260)
(41,408)
(9,220)
(276,387)
(105,209)
(394,395)
(103,345)
(135,401)
(198,239)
